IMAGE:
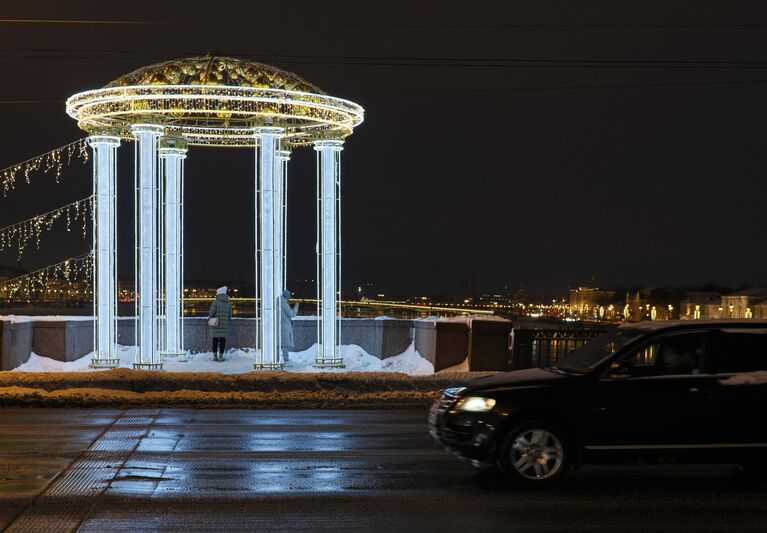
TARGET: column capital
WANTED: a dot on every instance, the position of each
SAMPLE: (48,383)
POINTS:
(268,130)
(283,154)
(166,152)
(333,144)
(172,145)
(147,128)
(111,140)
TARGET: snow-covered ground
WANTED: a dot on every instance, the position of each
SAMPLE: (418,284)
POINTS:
(758,377)
(240,361)
(17,319)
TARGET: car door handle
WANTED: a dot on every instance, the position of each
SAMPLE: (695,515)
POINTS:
(696,390)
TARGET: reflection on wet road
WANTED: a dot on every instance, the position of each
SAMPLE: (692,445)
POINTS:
(236,470)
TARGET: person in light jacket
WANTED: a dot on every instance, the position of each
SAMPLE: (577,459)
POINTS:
(221,310)
(287,314)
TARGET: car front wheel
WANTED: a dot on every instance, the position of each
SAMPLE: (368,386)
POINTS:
(534,454)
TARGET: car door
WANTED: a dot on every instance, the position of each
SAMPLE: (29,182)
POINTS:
(656,395)
(741,364)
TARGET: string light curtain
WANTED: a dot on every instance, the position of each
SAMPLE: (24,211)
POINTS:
(20,234)
(49,162)
(73,270)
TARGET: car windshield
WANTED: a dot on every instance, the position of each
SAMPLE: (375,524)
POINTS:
(592,353)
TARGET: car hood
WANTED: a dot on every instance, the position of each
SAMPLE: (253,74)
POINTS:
(522,378)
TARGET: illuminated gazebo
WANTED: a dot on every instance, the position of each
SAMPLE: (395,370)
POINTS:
(217,102)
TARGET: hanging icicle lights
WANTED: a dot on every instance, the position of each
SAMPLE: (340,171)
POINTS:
(74,270)
(49,162)
(20,234)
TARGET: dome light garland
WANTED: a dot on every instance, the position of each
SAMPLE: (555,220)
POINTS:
(20,234)
(216,101)
(76,269)
(53,161)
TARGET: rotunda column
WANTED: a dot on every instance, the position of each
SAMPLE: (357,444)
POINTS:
(268,247)
(283,156)
(146,284)
(328,253)
(172,154)
(104,251)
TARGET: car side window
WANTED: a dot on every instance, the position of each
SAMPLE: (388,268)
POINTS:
(742,352)
(681,354)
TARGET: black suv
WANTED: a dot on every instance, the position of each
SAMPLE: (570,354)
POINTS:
(687,391)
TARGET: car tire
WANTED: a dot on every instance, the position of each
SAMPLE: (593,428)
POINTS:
(535,454)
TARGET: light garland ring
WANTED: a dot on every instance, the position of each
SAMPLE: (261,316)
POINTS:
(221,103)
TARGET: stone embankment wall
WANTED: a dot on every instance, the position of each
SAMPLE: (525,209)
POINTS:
(482,343)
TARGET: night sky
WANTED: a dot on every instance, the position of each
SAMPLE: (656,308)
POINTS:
(543,143)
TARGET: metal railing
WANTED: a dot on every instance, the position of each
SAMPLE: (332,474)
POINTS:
(539,348)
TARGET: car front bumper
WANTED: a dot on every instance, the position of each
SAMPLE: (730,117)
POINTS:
(471,436)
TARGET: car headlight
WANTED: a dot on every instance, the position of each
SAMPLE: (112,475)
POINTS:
(476,404)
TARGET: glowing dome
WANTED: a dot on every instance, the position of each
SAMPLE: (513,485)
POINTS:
(215,70)
(216,101)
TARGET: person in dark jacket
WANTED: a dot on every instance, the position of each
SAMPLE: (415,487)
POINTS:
(219,319)
(287,314)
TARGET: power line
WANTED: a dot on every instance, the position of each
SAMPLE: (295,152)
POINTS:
(484,63)
(74,21)
(564,88)
(25,102)
(189,53)
(749,61)
(512,26)
(499,89)
(419,26)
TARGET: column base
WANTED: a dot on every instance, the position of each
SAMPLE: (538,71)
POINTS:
(180,355)
(147,366)
(329,362)
(97,362)
(268,366)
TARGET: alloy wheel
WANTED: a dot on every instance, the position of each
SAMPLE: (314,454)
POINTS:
(536,454)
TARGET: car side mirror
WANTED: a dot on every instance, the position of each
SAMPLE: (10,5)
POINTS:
(619,370)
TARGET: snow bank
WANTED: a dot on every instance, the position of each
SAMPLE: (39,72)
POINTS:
(252,390)
(39,363)
(241,361)
(747,378)
(92,397)
(17,319)
(358,360)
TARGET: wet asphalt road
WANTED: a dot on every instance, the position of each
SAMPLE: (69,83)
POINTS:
(227,470)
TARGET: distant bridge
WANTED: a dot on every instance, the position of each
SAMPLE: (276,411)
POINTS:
(381,304)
